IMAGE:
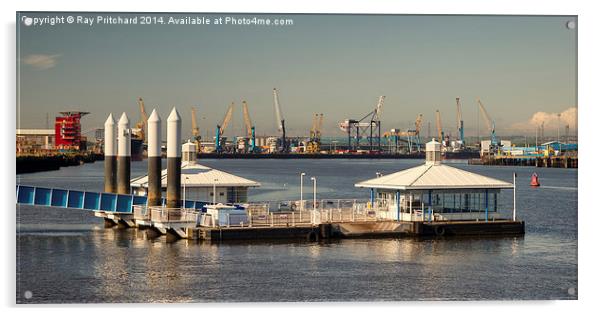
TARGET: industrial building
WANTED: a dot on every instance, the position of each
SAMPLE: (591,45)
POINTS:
(67,130)
(66,136)
(35,140)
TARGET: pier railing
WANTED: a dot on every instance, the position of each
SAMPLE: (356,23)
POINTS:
(306,205)
(164,214)
(304,213)
(168,215)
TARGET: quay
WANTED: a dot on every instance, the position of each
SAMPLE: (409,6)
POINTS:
(311,156)
(541,162)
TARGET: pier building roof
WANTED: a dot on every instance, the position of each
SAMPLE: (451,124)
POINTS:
(434,176)
(197,175)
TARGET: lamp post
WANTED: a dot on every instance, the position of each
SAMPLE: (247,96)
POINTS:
(214,193)
(558,138)
(301,201)
(313,179)
(184,201)
(514,196)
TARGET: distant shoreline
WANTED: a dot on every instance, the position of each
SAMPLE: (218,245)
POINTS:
(31,164)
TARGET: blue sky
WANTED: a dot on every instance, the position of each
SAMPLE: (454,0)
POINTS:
(332,64)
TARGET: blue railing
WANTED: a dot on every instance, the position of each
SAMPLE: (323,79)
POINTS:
(92,201)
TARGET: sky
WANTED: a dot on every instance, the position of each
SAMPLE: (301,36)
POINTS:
(523,68)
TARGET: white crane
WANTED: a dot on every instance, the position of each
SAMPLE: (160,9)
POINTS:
(280,122)
(490,123)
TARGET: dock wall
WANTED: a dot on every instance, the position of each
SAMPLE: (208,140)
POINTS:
(30,164)
(542,162)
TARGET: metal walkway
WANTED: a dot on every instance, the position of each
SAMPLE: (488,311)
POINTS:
(85,200)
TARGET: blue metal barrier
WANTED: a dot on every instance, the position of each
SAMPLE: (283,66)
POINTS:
(92,201)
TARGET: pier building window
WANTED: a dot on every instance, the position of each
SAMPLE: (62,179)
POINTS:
(236,194)
(459,202)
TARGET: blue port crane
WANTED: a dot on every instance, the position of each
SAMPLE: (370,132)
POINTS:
(219,131)
(459,121)
(249,127)
(369,130)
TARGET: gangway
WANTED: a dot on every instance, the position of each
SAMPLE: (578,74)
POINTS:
(90,201)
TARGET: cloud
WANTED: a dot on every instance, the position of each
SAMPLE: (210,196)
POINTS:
(41,61)
(567,117)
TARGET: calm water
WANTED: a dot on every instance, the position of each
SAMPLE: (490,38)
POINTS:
(66,256)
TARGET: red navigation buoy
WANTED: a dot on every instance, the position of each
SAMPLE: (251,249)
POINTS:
(534,180)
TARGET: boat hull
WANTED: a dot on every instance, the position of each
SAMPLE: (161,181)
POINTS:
(137,149)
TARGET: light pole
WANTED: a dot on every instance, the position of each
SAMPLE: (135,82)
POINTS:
(558,139)
(214,193)
(559,145)
(313,215)
(313,179)
(302,204)
(184,202)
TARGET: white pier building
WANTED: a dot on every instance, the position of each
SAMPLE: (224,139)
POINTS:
(199,182)
(435,192)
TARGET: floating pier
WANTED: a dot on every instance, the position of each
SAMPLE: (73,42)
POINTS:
(332,219)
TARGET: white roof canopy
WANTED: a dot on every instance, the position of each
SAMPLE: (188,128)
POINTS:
(434,177)
(195,175)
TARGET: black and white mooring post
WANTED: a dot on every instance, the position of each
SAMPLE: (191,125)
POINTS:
(154,159)
(174,159)
(124,152)
(110,152)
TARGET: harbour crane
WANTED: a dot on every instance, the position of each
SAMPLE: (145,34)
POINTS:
(314,125)
(315,134)
(412,135)
(219,131)
(319,129)
(250,129)
(196,134)
(369,130)
(284,148)
(439,127)
(416,132)
(139,131)
(316,130)
(490,123)
(459,121)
